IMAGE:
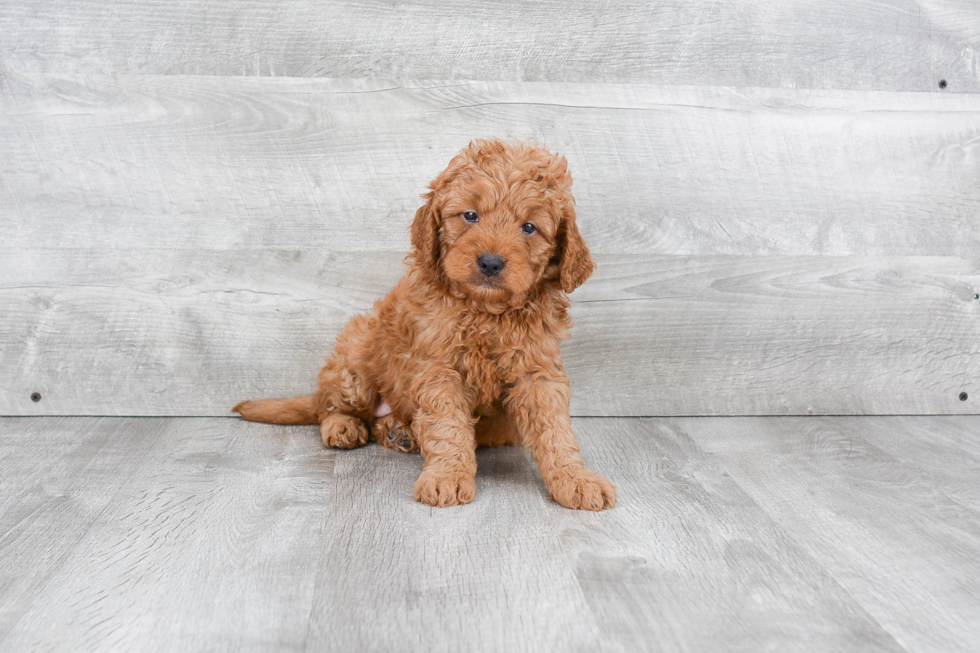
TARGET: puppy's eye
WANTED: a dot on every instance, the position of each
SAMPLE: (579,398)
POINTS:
(471,216)
(528,228)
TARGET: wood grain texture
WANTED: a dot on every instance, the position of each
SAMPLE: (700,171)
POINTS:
(177,332)
(208,542)
(873,44)
(738,534)
(897,536)
(688,546)
(947,451)
(402,576)
(59,479)
(225,163)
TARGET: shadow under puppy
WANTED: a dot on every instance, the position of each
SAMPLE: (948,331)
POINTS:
(465,351)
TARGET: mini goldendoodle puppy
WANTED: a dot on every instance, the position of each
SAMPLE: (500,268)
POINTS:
(464,352)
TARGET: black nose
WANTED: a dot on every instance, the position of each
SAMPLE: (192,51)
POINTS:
(490,264)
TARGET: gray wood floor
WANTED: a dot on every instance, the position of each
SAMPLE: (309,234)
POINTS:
(736,534)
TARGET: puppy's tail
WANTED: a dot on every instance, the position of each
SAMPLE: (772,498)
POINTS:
(298,410)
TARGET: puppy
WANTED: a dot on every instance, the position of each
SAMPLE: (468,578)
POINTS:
(464,352)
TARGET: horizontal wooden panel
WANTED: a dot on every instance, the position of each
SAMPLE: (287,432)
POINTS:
(778,335)
(184,332)
(872,44)
(202,163)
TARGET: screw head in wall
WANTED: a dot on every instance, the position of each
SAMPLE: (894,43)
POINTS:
(35,397)
(942,83)
(964,396)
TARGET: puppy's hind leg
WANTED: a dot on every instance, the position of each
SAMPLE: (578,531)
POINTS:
(345,399)
(343,406)
(343,431)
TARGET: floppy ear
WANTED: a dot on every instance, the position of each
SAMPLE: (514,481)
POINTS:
(425,228)
(425,236)
(576,264)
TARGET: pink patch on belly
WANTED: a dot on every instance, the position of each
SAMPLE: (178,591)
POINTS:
(382,409)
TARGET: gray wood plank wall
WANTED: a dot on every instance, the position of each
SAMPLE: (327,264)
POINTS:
(840,44)
(784,202)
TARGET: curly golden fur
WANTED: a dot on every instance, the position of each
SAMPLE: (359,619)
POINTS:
(465,351)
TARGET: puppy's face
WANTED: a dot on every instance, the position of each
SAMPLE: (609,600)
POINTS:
(503,221)
(497,235)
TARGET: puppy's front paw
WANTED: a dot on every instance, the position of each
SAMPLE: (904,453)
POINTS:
(582,489)
(343,431)
(444,488)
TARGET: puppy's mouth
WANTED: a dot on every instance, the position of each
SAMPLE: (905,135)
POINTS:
(491,293)
(490,283)
(488,288)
